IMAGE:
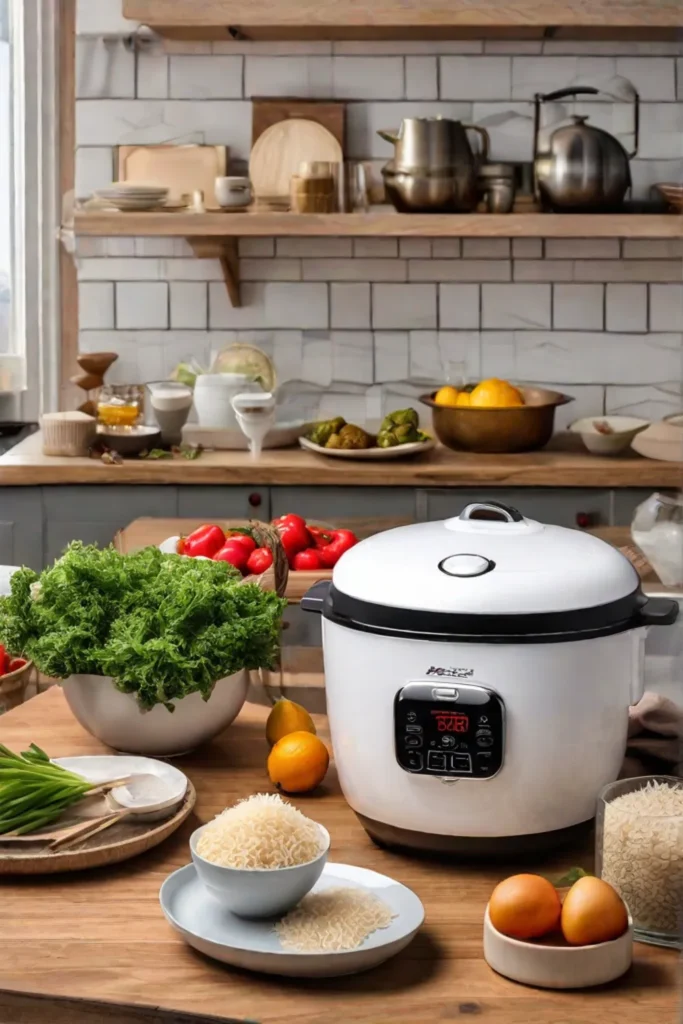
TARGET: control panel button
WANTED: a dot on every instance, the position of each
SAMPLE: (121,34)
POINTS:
(413,741)
(466,565)
(414,728)
(411,717)
(461,763)
(413,761)
(484,732)
(437,761)
(483,759)
(448,741)
(485,741)
(445,693)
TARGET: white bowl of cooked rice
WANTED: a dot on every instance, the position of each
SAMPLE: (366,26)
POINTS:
(260,857)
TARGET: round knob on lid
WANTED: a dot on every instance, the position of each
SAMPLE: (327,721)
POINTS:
(466,565)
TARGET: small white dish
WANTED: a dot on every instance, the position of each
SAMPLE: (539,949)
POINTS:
(107,767)
(232,192)
(259,892)
(254,945)
(623,430)
(370,454)
(561,967)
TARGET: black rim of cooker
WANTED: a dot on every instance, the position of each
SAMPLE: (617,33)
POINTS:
(618,616)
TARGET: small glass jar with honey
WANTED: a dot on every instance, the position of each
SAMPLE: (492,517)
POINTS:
(120,405)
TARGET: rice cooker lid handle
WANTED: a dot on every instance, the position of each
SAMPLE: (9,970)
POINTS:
(507,513)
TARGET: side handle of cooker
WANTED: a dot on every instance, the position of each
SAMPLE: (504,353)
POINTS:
(314,598)
(658,611)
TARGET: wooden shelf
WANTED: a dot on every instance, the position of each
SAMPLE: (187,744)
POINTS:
(386,19)
(384,224)
(563,464)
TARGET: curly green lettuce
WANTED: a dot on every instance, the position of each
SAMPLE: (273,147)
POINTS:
(160,625)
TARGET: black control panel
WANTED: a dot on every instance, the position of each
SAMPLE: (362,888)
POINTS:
(454,731)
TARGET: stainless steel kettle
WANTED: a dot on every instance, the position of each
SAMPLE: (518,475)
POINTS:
(578,166)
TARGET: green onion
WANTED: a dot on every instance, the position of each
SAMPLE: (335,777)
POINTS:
(34,792)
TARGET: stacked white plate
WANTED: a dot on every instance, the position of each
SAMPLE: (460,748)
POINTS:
(133,195)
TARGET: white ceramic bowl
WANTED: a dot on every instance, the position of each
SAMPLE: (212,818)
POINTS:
(624,429)
(116,719)
(533,963)
(260,892)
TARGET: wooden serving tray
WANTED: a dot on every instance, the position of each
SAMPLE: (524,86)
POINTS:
(120,842)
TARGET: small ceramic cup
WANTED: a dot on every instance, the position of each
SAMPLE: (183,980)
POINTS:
(233,192)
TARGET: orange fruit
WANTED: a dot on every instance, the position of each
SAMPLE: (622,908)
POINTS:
(287,716)
(298,762)
(463,398)
(525,907)
(447,395)
(496,394)
(592,912)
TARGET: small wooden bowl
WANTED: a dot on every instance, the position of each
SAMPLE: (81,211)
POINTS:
(13,687)
(560,966)
(518,429)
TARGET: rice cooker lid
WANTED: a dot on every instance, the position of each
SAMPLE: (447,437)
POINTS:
(498,576)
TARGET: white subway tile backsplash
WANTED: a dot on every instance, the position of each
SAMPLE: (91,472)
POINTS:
(588,358)
(205,78)
(652,248)
(628,270)
(354,270)
(94,247)
(249,316)
(152,75)
(422,80)
(661,131)
(270,270)
(612,47)
(364,120)
(679,78)
(256,247)
(404,306)
(527,248)
(104,68)
(646,173)
(115,269)
(189,305)
(96,305)
(297,305)
(544,74)
(94,169)
(626,307)
(475,78)
(350,305)
(288,76)
(178,247)
(459,305)
(101,17)
(142,305)
(653,77)
(191,270)
(405,46)
(589,400)
(459,270)
(352,356)
(375,248)
(516,306)
(273,48)
(510,128)
(513,46)
(578,307)
(543,270)
(444,356)
(368,78)
(666,307)
(391,356)
(318,359)
(582,248)
(486,248)
(415,248)
(650,401)
(313,248)
(446,248)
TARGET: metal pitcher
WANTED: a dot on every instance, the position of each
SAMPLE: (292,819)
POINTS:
(427,144)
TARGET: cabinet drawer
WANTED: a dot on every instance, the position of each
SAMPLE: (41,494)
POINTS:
(558,505)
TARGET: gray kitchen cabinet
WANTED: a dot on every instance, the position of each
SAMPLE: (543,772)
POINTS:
(21,526)
(329,504)
(627,500)
(224,502)
(558,505)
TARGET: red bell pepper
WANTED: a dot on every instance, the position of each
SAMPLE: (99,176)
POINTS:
(247,542)
(259,561)
(293,534)
(234,553)
(321,538)
(206,541)
(341,541)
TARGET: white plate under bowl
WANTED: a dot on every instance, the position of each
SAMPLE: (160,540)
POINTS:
(401,451)
(254,945)
(107,767)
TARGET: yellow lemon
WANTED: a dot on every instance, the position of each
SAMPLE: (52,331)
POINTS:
(447,395)
(298,762)
(496,394)
(463,398)
(286,717)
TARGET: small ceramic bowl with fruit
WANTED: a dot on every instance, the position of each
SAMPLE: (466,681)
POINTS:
(533,936)
(608,435)
(494,416)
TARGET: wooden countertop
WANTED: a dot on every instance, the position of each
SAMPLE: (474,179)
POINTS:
(101,934)
(561,465)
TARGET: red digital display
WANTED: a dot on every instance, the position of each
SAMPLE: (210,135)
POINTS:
(450,721)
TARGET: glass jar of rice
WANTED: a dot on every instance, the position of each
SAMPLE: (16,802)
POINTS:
(639,851)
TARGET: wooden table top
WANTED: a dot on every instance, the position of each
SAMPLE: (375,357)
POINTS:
(564,464)
(101,934)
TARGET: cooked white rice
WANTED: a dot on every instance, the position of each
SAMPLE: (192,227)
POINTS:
(336,919)
(642,854)
(261,832)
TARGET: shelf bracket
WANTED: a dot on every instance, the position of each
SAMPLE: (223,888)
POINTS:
(225,251)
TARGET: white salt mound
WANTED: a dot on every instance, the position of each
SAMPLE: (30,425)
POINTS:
(261,832)
(336,919)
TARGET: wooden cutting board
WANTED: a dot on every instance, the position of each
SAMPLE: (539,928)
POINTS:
(182,169)
(266,112)
(279,152)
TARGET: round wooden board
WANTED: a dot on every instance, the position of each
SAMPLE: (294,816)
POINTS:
(120,842)
(279,152)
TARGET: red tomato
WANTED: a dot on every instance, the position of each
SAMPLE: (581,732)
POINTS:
(180,547)
(341,541)
(247,542)
(293,534)
(321,538)
(15,664)
(289,518)
(207,540)
(308,559)
(4,660)
(260,560)
(234,553)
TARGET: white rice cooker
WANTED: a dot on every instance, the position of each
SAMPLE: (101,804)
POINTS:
(479,673)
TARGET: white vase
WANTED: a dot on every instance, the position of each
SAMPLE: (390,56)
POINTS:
(116,718)
(213,395)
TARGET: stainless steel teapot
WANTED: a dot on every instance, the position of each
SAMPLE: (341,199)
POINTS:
(578,166)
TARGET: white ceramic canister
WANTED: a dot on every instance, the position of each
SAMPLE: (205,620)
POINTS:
(213,395)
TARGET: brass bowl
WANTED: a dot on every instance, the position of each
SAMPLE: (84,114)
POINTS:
(519,429)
